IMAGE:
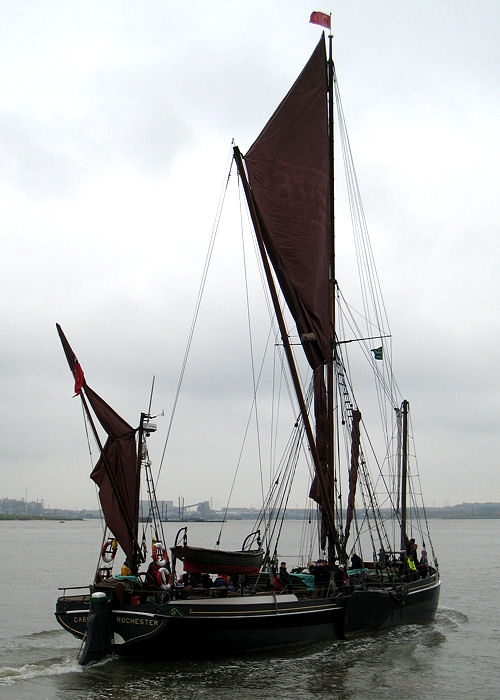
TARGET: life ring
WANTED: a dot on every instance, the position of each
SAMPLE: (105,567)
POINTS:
(163,578)
(159,554)
(109,549)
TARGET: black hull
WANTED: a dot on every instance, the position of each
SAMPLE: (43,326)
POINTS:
(375,610)
(207,627)
(241,625)
(210,632)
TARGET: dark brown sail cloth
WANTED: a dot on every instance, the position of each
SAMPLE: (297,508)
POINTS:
(353,471)
(70,355)
(116,474)
(322,434)
(116,471)
(288,170)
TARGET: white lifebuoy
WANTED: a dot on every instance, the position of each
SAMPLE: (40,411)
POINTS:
(159,554)
(163,578)
(109,549)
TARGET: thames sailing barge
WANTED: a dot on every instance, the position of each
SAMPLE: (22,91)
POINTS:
(366,543)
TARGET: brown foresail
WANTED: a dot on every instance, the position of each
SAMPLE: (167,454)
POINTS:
(288,169)
(116,470)
(116,474)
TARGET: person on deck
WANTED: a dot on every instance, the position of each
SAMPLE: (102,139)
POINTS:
(221,585)
(423,557)
(410,547)
(422,564)
(284,577)
(222,581)
(341,578)
(152,575)
(412,561)
(415,552)
(321,573)
(125,571)
(356,561)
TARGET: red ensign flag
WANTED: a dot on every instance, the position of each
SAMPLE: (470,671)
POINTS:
(321,18)
(79,378)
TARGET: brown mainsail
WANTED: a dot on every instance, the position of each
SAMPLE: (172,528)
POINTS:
(288,170)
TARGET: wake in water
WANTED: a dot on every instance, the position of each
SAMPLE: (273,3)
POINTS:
(40,654)
(47,667)
(449,618)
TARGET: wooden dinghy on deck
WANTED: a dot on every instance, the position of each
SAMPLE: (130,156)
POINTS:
(201,560)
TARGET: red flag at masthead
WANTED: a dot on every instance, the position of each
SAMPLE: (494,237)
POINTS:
(79,378)
(322,19)
(73,363)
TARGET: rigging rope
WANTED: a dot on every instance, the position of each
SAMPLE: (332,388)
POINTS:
(272,332)
(259,451)
(96,488)
(211,245)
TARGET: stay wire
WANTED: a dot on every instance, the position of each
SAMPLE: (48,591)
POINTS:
(250,338)
(215,228)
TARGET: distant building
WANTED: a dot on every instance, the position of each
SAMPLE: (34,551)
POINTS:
(13,506)
(204,509)
(165,508)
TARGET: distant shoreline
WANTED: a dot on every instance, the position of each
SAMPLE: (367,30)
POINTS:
(20,516)
(462,511)
(62,519)
(462,516)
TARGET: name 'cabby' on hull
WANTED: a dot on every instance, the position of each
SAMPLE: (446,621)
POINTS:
(366,575)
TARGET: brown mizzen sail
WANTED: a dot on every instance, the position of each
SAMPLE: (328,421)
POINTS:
(353,471)
(116,471)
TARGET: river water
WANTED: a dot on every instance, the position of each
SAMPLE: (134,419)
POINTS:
(457,656)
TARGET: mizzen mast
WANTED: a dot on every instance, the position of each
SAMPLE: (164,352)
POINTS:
(404,472)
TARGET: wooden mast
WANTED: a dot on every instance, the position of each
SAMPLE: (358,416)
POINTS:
(140,446)
(330,377)
(404,473)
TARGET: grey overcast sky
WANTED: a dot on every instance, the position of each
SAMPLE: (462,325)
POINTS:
(116,121)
